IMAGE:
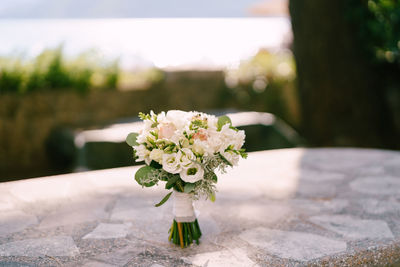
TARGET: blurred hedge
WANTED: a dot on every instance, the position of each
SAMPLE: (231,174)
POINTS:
(52,71)
(30,118)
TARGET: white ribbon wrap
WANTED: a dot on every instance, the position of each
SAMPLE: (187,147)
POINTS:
(183,207)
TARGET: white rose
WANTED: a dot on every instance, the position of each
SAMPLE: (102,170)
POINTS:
(192,173)
(170,163)
(156,155)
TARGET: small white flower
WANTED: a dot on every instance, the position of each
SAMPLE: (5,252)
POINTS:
(156,155)
(193,173)
(170,163)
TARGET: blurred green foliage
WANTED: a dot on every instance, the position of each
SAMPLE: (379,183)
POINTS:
(379,27)
(52,71)
(266,82)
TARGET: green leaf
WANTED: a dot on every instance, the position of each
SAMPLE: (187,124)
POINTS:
(188,188)
(214,178)
(222,121)
(212,197)
(143,174)
(155,164)
(131,139)
(171,182)
(163,200)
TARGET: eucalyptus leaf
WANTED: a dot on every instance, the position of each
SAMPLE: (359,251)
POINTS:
(143,174)
(188,188)
(163,200)
(222,121)
(131,139)
(171,182)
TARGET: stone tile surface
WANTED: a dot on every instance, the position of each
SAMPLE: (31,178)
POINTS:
(288,207)
(52,246)
(233,257)
(354,228)
(292,245)
(15,221)
(108,230)
(377,185)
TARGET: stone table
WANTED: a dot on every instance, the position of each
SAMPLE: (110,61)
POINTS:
(278,208)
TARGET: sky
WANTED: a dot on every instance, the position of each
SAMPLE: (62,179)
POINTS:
(124,8)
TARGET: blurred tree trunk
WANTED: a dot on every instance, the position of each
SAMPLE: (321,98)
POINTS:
(342,100)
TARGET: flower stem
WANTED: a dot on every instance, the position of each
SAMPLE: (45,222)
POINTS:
(180,234)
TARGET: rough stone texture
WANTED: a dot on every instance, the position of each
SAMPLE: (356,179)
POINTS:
(374,206)
(289,207)
(377,185)
(354,228)
(293,245)
(53,246)
(107,230)
(233,257)
(15,221)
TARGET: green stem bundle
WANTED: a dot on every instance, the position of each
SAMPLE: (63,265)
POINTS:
(184,233)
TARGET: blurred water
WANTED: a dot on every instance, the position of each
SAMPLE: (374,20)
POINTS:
(200,42)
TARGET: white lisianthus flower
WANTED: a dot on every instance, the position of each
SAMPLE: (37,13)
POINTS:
(156,155)
(186,157)
(170,163)
(193,173)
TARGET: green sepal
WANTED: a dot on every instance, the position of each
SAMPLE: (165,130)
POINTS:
(222,121)
(171,182)
(188,188)
(142,174)
(131,139)
(163,200)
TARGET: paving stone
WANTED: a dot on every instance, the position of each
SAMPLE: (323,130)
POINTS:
(52,246)
(97,264)
(293,245)
(267,213)
(354,228)
(75,213)
(107,230)
(320,205)
(375,206)
(156,265)
(15,264)
(15,221)
(316,190)
(208,226)
(233,257)
(119,257)
(344,159)
(319,176)
(377,185)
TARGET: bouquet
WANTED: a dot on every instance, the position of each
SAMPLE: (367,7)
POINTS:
(185,150)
